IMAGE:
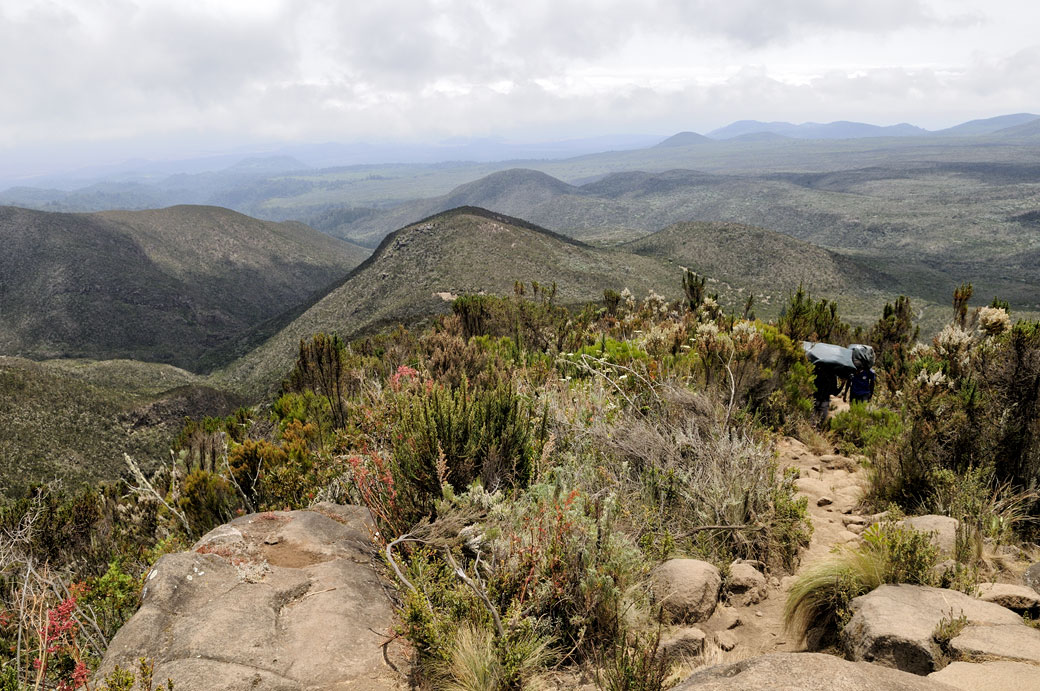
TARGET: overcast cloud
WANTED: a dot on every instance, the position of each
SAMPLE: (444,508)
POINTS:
(240,71)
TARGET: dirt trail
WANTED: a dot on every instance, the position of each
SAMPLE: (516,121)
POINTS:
(833,485)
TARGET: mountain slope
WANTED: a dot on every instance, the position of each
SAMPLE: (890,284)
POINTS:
(163,285)
(417,269)
(513,192)
(988,125)
(74,420)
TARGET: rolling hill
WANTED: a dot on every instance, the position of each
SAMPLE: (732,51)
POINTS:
(417,270)
(75,420)
(760,259)
(164,285)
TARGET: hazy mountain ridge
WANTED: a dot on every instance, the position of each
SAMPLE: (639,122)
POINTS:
(267,187)
(164,285)
(919,223)
(842,129)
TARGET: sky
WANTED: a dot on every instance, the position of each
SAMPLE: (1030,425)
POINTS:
(85,79)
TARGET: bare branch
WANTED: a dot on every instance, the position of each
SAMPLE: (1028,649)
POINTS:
(145,488)
(479,590)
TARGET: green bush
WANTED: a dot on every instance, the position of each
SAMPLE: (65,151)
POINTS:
(865,428)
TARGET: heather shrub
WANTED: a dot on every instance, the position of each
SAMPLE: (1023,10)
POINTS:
(455,436)
(804,319)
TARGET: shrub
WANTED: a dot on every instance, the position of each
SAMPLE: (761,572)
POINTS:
(686,471)
(805,319)
(456,436)
(865,428)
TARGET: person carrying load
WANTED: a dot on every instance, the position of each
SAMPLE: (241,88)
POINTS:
(831,362)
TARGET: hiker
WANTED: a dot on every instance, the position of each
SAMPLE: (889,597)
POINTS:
(860,385)
(826,386)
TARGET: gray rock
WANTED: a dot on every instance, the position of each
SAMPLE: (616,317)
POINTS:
(726,640)
(943,529)
(746,585)
(686,589)
(279,601)
(805,672)
(1008,642)
(1032,577)
(685,643)
(1015,597)
(894,625)
(989,675)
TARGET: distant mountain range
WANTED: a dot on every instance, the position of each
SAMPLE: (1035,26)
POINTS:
(165,285)
(855,130)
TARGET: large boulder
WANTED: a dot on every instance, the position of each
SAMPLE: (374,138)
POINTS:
(279,601)
(942,528)
(686,589)
(972,676)
(805,672)
(895,624)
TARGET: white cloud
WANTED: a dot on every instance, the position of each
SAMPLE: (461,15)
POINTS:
(333,69)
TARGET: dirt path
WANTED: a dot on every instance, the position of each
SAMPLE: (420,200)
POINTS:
(833,484)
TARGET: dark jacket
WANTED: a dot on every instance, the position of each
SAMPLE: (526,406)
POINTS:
(861,384)
(826,383)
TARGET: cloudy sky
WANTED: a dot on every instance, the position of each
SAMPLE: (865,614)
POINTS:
(212,74)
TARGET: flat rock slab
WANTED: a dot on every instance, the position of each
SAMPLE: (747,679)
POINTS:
(279,601)
(1008,642)
(970,676)
(1019,598)
(894,624)
(806,672)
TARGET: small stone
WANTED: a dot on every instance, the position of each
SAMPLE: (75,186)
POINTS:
(726,640)
(758,614)
(775,582)
(687,642)
(853,520)
(746,585)
(727,618)
(856,528)
(824,501)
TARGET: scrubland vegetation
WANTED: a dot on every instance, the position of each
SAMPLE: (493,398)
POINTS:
(527,465)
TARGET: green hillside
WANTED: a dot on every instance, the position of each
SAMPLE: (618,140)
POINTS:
(164,285)
(418,269)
